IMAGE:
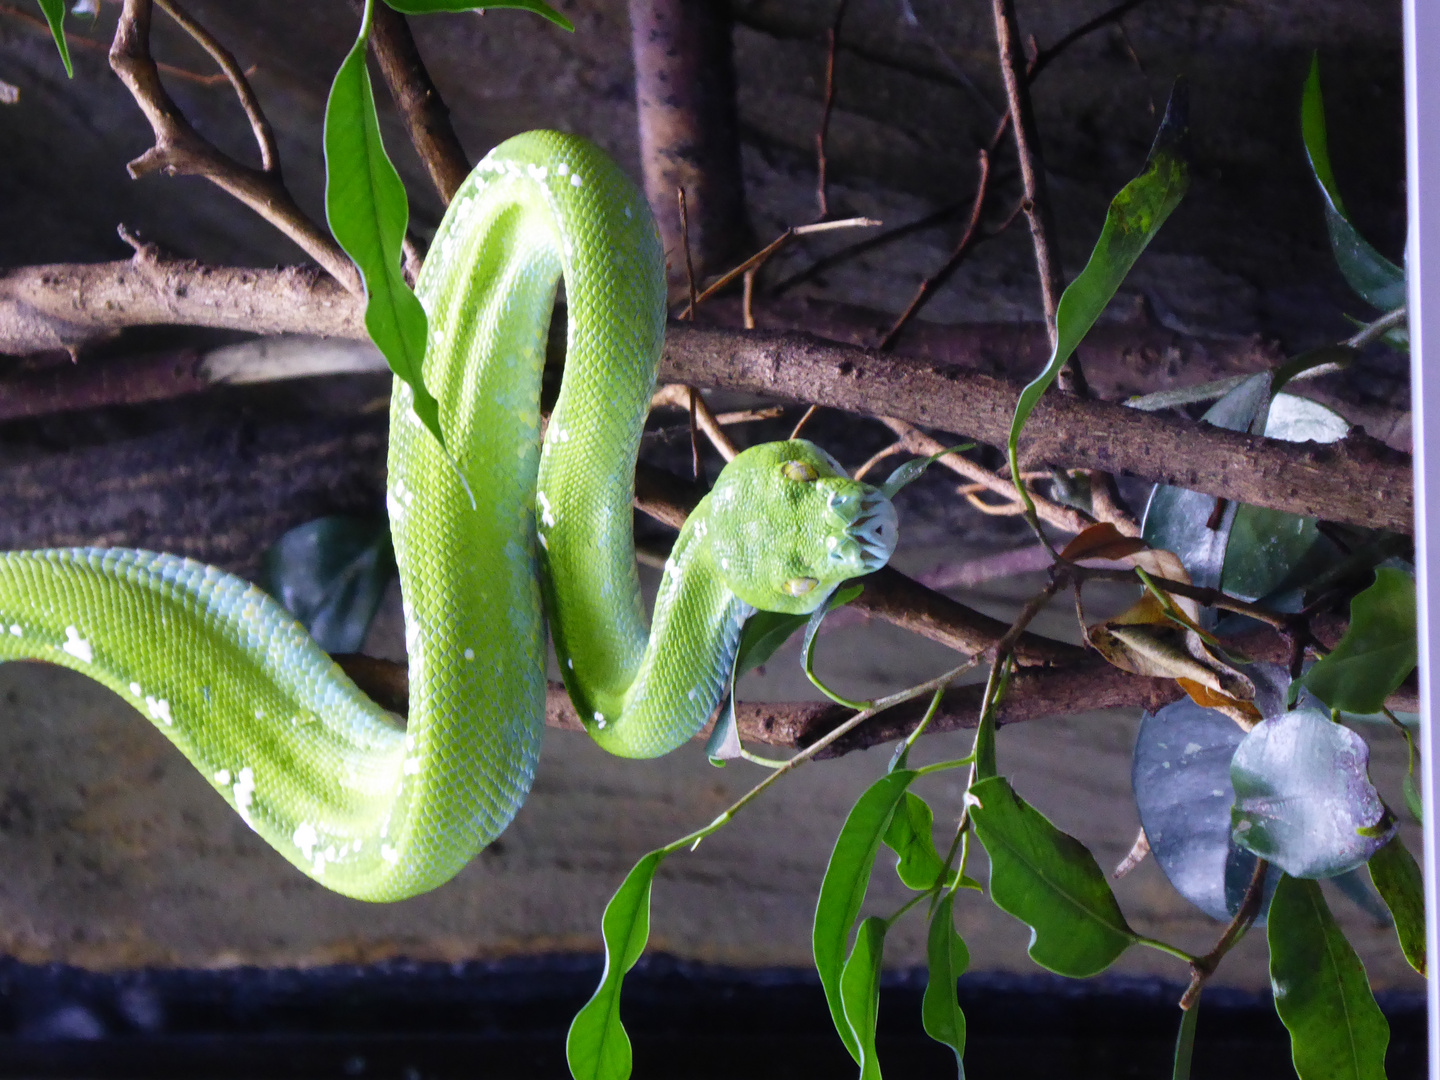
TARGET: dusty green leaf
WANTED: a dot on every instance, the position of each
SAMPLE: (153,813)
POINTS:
(597,1046)
(367,210)
(1398,880)
(1337,1032)
(947,958)
(1377,652)
(1048,880)
(847,877)
(1303,797)
(1375,278)
(766,631)
(331,574)
(427,7)
(54,11)
(911,837)
(860,992)
(912,470)
(1134,217)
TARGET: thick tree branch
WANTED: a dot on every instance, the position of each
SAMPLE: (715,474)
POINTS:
(179,149)
(689,134)
(1358,481)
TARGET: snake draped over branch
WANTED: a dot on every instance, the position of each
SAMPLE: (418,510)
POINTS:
(381,809)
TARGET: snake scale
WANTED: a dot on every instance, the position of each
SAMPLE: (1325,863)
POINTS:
(379,808)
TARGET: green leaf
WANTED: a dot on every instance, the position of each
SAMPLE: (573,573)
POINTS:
(427,7)
(847,877)
(860,992)
(1411,792)
(1337,1032)
(1377,652)
(915,468)
(597,1047)
(766,631)
(912,838)
(1185,1041)
(1135,216)
(1375,278)
(1398,880)
(331,574)
(1303,799)
(55,15)
(947,957)
(368,213)
(1050,881)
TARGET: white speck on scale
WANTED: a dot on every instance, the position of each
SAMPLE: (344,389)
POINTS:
(77,646)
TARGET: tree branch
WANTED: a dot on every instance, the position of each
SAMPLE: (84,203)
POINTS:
(179,149)
(1358,480)
(689,134)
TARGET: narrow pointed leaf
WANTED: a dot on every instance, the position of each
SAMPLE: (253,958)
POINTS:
(367,210)
(847,877)
(1135,216)
(912,838)
(1377,652)
(947,958)
(1337,1032)
(55,15)
(1185,1041)
(597,1046)
(860,992)
(426,7)
(1375,278)
(912,470)
(1050,881)
(1411,792)
(1398,881)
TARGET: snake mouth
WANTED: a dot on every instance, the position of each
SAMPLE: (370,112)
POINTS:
(875,529)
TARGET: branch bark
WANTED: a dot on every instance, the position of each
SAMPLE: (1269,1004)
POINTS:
(1359,480)
(689,133)
(179,149)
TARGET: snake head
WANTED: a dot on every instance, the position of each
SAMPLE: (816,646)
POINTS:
(787,525)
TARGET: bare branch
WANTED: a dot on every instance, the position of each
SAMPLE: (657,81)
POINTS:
(179,149)
(689,133)
(259,124)
(1357,480)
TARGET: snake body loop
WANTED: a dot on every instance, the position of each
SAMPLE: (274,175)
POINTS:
(379,809)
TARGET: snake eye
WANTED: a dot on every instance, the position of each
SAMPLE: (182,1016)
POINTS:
(802,473)
(799,586)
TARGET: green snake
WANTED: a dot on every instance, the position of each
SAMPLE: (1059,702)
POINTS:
(379,808)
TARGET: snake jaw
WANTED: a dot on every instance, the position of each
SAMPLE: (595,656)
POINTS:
(869,522)
(876,529)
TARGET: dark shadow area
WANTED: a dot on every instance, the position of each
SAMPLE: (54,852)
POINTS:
(411,1021)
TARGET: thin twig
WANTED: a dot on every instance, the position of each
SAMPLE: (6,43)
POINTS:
(179,149)
(686,397)
(805,419)
(73,39)
(937,279)
(1044,57)
(1027,149)
(259,124)
(751,265)
(822,195)
(1202,967)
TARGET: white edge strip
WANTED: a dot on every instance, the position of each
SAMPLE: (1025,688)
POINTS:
(1422,160)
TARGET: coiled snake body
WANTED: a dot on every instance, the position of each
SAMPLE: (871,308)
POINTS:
(379,809)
